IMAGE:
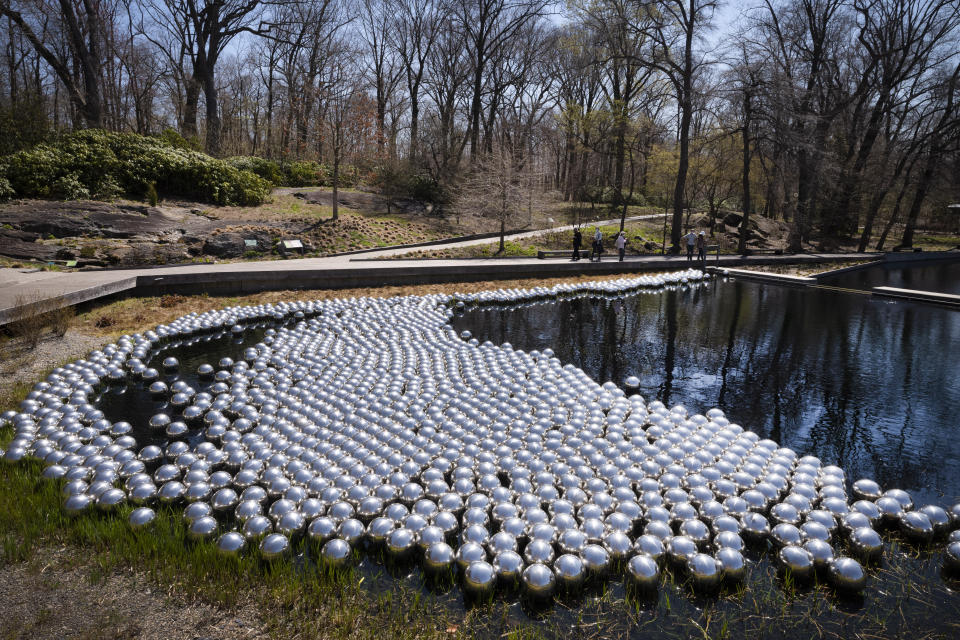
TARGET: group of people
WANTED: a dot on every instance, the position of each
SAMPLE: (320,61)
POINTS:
(696,242)
(597,248)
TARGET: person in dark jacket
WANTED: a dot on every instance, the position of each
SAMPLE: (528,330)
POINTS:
(577,243)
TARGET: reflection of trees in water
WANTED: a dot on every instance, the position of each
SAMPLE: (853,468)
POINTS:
(853,380)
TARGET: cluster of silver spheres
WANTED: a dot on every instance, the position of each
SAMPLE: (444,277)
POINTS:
(370,424)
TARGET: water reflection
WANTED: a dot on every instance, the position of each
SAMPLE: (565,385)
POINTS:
(940,277)
(133,403)
(867,384)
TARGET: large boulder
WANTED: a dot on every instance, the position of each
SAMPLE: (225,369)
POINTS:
(224,245)
(732,219)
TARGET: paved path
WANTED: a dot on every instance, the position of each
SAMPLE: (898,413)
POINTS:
(19,287)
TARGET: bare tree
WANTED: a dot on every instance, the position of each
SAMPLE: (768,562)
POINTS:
(488,27)
(675,28)
(497,187)
(417,26)
(48,27)
(202,29)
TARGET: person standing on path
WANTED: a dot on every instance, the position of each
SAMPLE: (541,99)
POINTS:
(691,239)
(621,245)
(577,243)
(597,242)
(702,247)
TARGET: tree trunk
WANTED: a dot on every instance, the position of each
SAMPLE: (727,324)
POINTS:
(745,221)
(686,114)
(336,180)
(414,123)
(213,113)
(190,106)
(894,215)
(475,107)
(919,196)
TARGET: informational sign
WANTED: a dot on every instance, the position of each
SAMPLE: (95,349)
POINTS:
(250,243)
(292,244)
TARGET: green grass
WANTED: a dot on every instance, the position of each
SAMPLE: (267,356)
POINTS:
(294,600)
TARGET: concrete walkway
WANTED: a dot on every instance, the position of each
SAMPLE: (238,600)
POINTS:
(24,290)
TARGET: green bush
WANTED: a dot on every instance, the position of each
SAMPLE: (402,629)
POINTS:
(6,190)
(304,174)
(281,174)
(104,164)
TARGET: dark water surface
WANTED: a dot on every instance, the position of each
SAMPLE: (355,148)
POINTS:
(873,386)
(133,402)
(940,277)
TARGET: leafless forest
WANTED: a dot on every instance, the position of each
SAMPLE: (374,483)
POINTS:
(840,117)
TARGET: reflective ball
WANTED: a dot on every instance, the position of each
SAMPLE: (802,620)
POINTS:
(951,556)
(335,553)
(141,517)
(643,572)
(479,579)
(538,582)
(733,566)
(274,546)
(846,574)
(796,560)
(916,527)
(231,544)
(570,572)
(202,528)
(704,572)
(439,559)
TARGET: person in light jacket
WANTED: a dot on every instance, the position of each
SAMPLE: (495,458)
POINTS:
(621,245)
(597,243)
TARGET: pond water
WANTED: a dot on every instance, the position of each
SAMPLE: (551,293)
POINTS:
(940,277)
(867,384)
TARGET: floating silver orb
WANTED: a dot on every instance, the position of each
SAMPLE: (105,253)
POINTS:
(797,561)
(111,499)
(846,574)
(202,528)
(596,560)
(439,559)
(938,517)
(77,504)
(820,550)
(469,552)
(704,572)
(951,556)
(733,566)
(400,543)
(196,510)
(256,527)
(509,566)
(866,490)
(916,526)
(643,572)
